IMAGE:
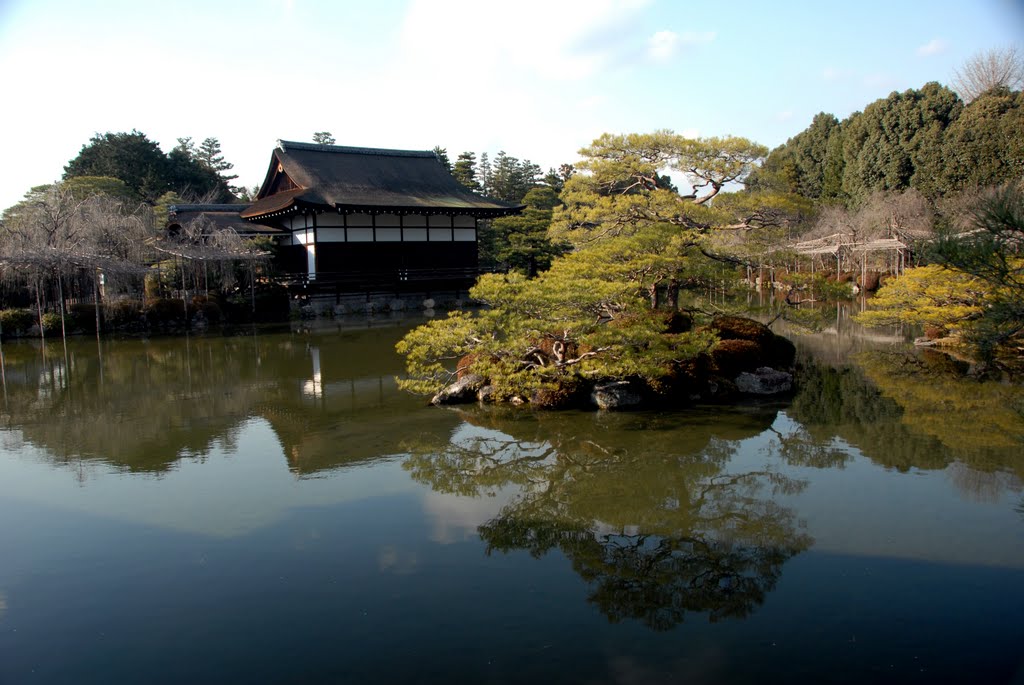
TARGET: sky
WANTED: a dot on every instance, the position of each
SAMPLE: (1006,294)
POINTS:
(537,78)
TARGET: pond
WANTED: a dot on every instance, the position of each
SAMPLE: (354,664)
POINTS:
(268,508)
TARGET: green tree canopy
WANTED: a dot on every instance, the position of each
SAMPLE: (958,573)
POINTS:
(140,164)
(636,242)
(511,178)
(798,166)
(896,143)
(442,156)
(623,186)
(131,157)
(464,170)
(985,145)
(521,242)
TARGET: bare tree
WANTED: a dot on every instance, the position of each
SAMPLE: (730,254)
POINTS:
(989,69)
(54,237)
(200,242)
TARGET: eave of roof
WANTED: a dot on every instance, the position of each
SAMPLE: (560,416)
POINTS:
(221,216)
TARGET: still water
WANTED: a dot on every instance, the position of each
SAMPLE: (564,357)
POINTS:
(267,508)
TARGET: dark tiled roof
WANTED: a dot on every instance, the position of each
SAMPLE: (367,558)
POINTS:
(355,178)
(221,216)
(237,207)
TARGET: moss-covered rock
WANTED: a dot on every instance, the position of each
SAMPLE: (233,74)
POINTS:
(741,328)
(732,357)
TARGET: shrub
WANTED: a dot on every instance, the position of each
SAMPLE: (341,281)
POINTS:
(164,312)
(51,323)
(17,321)
(123,314)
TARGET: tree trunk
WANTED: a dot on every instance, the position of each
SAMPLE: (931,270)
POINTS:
(672,294)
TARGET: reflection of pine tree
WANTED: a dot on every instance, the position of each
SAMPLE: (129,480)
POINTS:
(658,526)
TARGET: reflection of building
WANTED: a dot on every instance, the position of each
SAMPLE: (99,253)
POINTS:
(362,218)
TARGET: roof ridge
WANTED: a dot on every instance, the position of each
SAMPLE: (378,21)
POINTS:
(318,147)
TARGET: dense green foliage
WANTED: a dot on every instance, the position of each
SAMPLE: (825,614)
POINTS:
(985,145)
(594,314)
(148,172)
(924,139)
(520,242)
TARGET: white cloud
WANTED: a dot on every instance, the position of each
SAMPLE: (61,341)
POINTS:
(697,37)
(936,46)
(576,39)
(784,115)
(662,45)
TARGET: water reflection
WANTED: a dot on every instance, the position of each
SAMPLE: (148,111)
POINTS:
(653,511)
(330,399)
(917,410)
(144,405)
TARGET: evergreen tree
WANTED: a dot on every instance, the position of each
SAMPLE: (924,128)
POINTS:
(511,178)
(896,143)
(131,157)
(147,171)
(323,138)
(442,156)
(465,170)
(484,174)
(521,243)
(209,155)
(985,145)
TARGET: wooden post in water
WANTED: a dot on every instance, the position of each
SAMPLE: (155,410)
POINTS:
(96,298)
(184,290)
(39,310)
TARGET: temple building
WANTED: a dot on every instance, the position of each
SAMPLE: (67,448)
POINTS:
(352,218)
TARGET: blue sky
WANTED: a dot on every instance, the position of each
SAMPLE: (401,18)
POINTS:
(538,79)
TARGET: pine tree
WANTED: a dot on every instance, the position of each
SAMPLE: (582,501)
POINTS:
(442,156)
(465,170)
(484,174)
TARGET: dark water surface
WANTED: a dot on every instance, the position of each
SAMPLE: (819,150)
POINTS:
(269,509)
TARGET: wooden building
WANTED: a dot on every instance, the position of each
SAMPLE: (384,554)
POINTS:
(354,216)
(355,219)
